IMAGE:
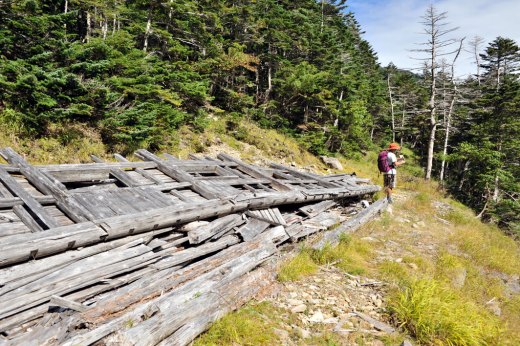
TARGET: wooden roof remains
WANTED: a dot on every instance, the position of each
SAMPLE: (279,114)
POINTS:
(90,237)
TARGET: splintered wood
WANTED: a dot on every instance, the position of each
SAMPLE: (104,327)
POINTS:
(149,252)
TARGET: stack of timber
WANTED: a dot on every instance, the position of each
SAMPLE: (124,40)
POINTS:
(148,252)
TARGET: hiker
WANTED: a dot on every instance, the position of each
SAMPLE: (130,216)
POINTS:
(387,162)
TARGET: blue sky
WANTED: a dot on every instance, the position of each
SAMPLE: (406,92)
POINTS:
(392,27)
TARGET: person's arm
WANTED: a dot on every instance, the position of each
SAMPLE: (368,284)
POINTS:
(400,161)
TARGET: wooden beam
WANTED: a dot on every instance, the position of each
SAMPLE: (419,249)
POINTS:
(177,174)
(47,184)
(141,171)
(252,171)
(31,203)
(66,303)
(304,175)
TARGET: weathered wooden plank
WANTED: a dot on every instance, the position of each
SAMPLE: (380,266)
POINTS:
(48,185)
(304,175)
(314,209)
(22,247)
(168,169)
(66,303)
(154,327)
(119,174)
(141,171)
(252,171)
(192,253)
(28,220)
(78,275)
(31,203)
(50,333)
(230,297)
(271,215)
(332,237)
(165,217)
(252,228)
(160,283)
(222,224)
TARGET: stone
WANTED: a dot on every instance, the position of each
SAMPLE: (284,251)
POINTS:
(332,162)
(406,342)
(377,342)
(299,309)
(294,302)
(282,334)
(494,307)
(303,333)
(459,277)
(413,266)
(317,317)
(331,320)
(293,294)
(370,239)
(398,260)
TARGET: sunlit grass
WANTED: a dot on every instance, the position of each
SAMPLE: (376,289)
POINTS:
(436,314)
(300,266)
(251,325)
(350,255)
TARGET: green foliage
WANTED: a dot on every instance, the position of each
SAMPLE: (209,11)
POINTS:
(273,61)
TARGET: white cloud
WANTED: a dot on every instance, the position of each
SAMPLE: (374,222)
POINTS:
(393,27)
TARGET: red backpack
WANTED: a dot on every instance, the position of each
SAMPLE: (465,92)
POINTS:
(382,162)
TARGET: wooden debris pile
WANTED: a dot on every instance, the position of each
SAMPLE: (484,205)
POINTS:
(149,252)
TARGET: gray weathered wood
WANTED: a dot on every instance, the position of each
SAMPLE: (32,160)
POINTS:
(177,174)
(66,303)
(23,247)
(252,228)
(304,175)
(332,237)
(252,171)
(29,201)
(314,209)
(192,253)
(47,184)
(219,225)
(141,171)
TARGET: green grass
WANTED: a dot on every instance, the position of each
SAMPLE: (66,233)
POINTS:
(251,325)
(436,314)
(298,267)
(349,255)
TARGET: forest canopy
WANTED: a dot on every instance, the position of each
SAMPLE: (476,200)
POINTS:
(136,71)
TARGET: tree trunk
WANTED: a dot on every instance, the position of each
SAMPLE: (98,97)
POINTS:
(391,107)
(431,144)
(463,178)
(402,122)
(147,32)
(89,28)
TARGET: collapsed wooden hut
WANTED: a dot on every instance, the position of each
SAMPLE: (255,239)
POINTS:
(149,252)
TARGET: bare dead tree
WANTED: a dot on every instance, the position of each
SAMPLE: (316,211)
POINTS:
(448,115)
(474,48)
(435,29)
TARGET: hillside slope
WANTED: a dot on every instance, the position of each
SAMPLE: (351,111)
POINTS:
(428,267)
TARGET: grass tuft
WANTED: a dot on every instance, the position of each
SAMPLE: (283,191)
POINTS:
(251,325)
(300,266)
(435,314)
(349,255)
